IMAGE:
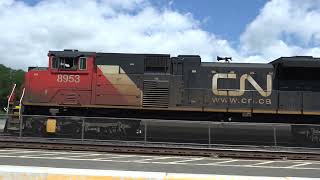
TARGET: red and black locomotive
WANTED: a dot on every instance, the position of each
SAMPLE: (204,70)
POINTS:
(155,86)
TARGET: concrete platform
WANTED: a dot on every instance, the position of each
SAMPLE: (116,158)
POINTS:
(85,164)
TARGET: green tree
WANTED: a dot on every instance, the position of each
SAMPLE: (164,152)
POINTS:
(8,77)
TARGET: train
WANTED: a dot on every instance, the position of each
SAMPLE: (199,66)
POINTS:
(158,86)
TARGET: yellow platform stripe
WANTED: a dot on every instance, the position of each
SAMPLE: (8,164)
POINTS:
(74,177)
(47,173)
(65,177)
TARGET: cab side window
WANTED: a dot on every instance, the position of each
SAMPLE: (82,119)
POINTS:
(82,63)
(54,63)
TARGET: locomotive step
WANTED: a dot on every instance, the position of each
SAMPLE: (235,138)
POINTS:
(13,128)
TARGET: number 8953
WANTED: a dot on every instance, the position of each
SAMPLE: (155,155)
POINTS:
(68,78)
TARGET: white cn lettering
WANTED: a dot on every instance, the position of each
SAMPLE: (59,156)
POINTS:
(241,90)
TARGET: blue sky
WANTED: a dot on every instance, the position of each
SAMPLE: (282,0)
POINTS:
(248,30)
(226,18)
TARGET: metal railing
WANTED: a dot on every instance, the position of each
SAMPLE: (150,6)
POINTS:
(9,98)
(20,111)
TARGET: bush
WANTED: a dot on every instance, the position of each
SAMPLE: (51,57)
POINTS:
(8,77)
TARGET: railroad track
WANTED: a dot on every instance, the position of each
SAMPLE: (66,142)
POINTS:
(255,152)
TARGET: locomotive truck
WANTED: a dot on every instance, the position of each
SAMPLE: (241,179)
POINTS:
(159,86)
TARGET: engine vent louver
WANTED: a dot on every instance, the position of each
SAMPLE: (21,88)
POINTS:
(71,98)
(156,94)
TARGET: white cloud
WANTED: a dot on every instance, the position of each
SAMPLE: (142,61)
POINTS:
(283,28)
(28,32)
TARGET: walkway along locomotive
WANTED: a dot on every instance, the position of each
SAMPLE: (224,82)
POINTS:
(158,86)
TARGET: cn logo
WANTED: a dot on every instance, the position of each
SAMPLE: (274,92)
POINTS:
(241,91)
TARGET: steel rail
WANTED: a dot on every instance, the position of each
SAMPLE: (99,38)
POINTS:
(161,149)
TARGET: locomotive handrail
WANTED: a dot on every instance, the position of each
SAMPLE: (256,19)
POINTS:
(20,112)
(20,102)
(21,98)
(9,98)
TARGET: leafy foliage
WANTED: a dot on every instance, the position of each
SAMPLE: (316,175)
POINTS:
(8,77)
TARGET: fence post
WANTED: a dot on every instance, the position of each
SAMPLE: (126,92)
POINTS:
(209,134)
(145,131)
(82,130)
(20,125)
(275,136)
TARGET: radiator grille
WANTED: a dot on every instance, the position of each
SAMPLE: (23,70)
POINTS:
(156,94)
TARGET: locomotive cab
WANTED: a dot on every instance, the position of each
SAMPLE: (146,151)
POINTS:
(66,81)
